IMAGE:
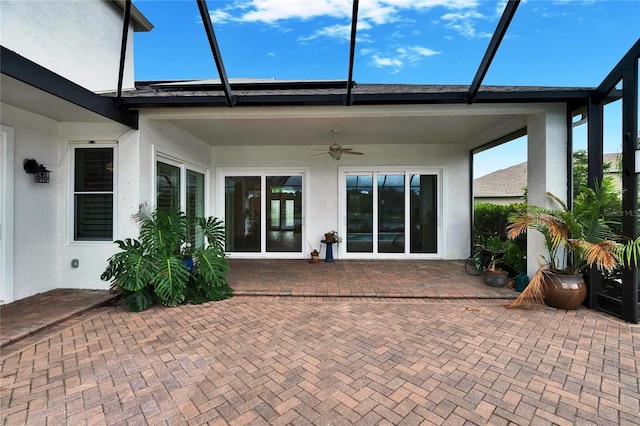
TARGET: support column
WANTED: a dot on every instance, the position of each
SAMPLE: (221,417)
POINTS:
(630,186)
(595,114)
(546,169)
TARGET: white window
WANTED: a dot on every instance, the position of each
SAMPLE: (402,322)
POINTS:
(93,192)
(182,186)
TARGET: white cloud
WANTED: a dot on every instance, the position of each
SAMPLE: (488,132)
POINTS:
(399,58)
(380,62)
(461,14)
(464,23)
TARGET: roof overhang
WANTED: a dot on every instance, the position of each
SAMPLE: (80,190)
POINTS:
(31,87)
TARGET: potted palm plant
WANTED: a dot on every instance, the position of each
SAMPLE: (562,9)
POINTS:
(576,240)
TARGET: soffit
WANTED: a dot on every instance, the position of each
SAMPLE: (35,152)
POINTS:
(30,98)
(397,124)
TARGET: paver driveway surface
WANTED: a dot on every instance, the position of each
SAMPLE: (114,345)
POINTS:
(352,361)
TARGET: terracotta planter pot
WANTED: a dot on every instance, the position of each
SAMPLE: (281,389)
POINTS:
(565,291)
(329,237)
(496,278)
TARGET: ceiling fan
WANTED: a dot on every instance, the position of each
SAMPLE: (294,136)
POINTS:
(336,151)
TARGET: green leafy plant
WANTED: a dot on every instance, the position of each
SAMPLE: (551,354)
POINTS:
(163,266)
(575,239)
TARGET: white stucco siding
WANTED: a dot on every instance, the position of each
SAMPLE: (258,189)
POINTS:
(322,211)
(92,256)
(163,138)
(79,40)
(35,216)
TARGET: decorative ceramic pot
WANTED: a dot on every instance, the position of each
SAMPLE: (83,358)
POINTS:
(565,291)
(314,258)
(330,237)
(495,278)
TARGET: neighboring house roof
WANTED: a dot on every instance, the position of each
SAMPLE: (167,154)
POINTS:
(510,182)
(507,182)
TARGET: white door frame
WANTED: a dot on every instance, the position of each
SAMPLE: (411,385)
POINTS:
(343,171)
(6,214)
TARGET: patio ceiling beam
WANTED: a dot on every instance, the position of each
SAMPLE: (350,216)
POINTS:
(213,43)
(123,47)
(28,72)
(498,35)
(616,74)
(352,49)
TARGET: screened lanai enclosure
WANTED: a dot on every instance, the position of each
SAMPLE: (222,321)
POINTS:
(244,150)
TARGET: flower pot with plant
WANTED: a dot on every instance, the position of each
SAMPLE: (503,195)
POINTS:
(576,240)
(494,274)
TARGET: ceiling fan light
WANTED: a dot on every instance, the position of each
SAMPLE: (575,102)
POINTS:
(335,154)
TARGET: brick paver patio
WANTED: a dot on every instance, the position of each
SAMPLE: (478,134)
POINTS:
(327,361)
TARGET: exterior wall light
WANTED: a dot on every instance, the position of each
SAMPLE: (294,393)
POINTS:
(39,171)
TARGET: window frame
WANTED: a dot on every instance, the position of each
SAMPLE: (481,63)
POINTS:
(73,147)
(344,171)
(263,173)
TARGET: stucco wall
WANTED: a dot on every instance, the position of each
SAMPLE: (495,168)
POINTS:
(322,186)
(92,256)
(80,40)
(35,216)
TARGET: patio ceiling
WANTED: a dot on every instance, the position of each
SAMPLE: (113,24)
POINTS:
(424,124)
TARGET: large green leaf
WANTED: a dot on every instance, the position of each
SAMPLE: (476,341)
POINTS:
(131,268)
(212,266)
(138,300)
(214,230)
(171,281)
(163,231)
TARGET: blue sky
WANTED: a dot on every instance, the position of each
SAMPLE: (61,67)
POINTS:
(549,43)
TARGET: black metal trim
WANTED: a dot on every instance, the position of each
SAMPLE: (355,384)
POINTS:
(352,51)
(611,80)
(28,72)
(123,47)
(496,39)
(213,43)
(579,97)
(630,185)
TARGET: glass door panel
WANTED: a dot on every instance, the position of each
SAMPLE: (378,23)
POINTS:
(195,206)
(359,213)
(243,213)
(284,213)
(424,217)
(168,186)
(391,215)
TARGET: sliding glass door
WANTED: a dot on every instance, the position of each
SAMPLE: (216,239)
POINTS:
(390,213)
(263,212)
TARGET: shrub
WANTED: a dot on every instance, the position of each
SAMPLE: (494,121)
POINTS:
(162,266)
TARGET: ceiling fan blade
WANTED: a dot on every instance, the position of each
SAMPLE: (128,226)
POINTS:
(322,153)
(353,152)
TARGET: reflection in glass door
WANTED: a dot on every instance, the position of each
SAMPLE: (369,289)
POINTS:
(391,213)
(274,226)
(359,213)
(242,213)
(284,216)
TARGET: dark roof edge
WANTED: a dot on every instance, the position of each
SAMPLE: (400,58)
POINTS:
(28,72)
(140,22)
(574,97)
